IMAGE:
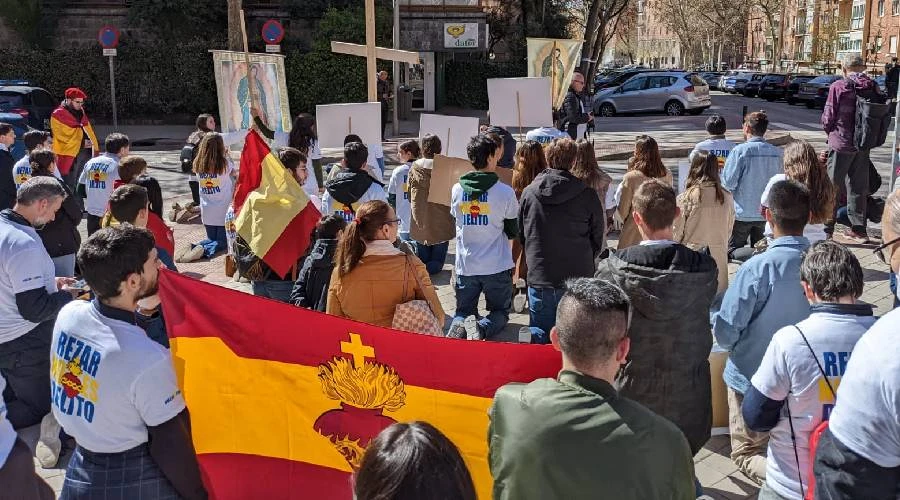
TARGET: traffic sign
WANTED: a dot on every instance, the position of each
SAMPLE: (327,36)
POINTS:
(108,37)
(273,49)
(272,32)
(110,52)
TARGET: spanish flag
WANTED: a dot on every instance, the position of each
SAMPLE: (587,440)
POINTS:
(284,400)
(68,137)
(272,212)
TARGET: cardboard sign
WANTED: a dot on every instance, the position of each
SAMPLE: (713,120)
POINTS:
(684,167)
(454,132)
(446,172)
(520,102)
(336,121)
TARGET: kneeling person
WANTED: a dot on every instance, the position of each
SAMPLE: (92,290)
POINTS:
(113,389)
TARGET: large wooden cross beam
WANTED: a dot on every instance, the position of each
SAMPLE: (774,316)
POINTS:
(371,52)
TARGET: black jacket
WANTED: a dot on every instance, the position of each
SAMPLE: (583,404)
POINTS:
(60,236)
(7,184)
(671,288)
(348,187)
(561,225)
(311,289)
(843,474)
(509,147)
(572,115)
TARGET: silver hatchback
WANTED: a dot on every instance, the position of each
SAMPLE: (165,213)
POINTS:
(672,92)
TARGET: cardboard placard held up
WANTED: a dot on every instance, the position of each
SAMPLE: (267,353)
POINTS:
(446,172)
(454,132)
(336,121)
(520,102)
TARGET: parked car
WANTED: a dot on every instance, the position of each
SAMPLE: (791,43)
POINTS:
(32,103)
(616,78)
(735,83)
(712,79)
(814,92)
(724,77)
(751,88)
(773,86)
(673,92)
(20,126)
(793,87)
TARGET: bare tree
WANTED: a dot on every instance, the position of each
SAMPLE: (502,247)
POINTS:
(626,31)
(599,19)
(728,20)
(235,36)
(680,17)
(772,11)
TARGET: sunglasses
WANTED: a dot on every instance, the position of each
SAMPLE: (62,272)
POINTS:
(880,251)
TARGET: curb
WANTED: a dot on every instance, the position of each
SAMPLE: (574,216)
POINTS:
(780,140)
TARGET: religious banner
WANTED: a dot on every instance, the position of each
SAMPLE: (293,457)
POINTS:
(554,59)
(234,94)
(284,400)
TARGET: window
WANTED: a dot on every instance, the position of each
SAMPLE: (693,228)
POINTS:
(880,8)
(856,17)
(660,82)
(893,45)
(895,7)
(633,84)
(42,99)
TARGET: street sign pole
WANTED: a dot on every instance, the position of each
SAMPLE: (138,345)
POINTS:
(112,91)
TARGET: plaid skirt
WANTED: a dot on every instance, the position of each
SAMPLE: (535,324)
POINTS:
(131,474)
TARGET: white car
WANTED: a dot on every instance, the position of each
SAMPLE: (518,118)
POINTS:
(672,92)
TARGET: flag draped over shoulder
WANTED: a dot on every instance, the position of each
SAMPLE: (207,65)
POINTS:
(284,400)
(68,137)
(272,212)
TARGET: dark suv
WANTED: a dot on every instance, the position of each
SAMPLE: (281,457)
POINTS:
(793,87)
(773,86)
(752,87)
(32,103)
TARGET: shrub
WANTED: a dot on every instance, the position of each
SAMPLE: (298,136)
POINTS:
(467,80)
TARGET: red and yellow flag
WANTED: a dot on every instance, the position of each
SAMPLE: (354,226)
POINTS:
(68,137)
(284,400)
(272,212)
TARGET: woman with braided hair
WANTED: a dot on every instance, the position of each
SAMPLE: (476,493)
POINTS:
(60,236)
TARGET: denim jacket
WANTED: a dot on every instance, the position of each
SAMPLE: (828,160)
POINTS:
(765,296)
(747,171)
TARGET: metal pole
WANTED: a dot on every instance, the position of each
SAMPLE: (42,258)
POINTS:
(895,153)
(396,69)
(112,91)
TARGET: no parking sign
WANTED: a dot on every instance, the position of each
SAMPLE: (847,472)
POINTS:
(273,34)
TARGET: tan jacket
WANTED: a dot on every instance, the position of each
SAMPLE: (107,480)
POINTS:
(632,180)
(431,222)
(372,290)
(704,222)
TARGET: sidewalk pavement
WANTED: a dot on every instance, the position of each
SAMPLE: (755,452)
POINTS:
(714,469)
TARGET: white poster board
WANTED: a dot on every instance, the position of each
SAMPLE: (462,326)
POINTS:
(455,132)
(520,102)
(684,167)
(336,121)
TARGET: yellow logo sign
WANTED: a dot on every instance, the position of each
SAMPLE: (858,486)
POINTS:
(456,30)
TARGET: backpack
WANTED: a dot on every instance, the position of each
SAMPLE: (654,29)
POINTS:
(814,436)
(873,119)
(188,153)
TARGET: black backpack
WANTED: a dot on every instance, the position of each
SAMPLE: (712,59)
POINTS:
(873,118)
(188,153)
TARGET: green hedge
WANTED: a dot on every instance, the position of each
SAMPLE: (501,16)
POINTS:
(467,80)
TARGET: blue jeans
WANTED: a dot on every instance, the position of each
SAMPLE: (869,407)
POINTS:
(542,303)
(433,256)
(276,289)
(215,241)
(497,290)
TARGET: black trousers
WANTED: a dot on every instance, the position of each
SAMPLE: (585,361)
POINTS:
(93,224)
(195,191)
(843,474)
(850,174)
(25,364)
(741,231)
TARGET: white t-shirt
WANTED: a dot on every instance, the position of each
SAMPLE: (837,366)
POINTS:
(332,206)
(108,380)
(399,187)
(812,232)
(24,265)
(22,172)
(7,433)
(482,248)
(719,147)
(789,372)
(376,152)
(545,135)
(99,176)
(867,416)
(216,191)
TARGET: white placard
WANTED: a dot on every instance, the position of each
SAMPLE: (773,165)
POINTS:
(110,52)
(520,102)
(273,48)
(454,132)
(684,167)
(336,121)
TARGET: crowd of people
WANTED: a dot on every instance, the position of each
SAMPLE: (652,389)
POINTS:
(635,325)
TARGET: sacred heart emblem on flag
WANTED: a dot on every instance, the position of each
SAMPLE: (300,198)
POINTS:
(365,389)
(456,30)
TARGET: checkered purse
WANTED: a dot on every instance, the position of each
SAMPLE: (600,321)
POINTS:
(415,315)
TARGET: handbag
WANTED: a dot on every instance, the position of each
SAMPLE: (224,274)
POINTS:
(415,315)
(230,266)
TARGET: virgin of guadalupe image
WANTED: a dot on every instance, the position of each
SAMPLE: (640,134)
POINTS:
(261,99)
(553,63)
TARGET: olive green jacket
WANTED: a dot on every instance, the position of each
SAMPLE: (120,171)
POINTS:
(576,438)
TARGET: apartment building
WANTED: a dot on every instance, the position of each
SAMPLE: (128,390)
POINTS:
(657,47)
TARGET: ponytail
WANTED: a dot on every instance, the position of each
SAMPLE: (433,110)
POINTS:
(370,216)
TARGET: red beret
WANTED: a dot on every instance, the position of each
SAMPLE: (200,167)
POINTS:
(75,93)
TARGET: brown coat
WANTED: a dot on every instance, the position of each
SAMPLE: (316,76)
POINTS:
(372,290)
(431,222)
(704,222)
(632,180)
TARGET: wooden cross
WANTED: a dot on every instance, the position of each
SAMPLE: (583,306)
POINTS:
(357,350)
(372,53)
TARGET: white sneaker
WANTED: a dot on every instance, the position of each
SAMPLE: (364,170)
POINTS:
(190,254)
(524,335)
(473,331)
(49,446)
(520,302)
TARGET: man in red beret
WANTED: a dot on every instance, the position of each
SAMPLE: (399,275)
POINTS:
(69,124)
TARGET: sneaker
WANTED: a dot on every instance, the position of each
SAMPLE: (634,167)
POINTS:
(190,254)
(49,446)
(473,329)
(524,335)
(857,238)
(173,215)
(456,331)
(520,302)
